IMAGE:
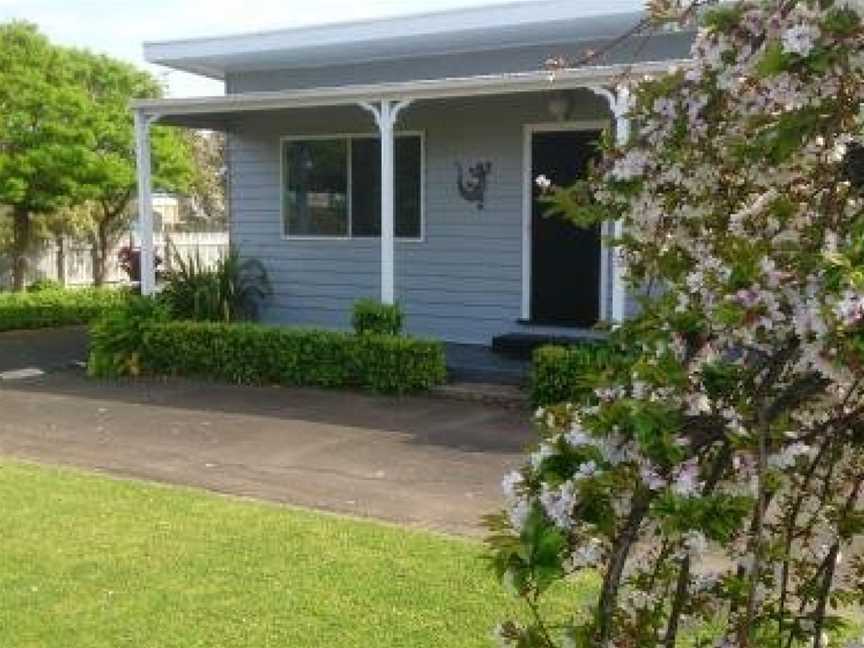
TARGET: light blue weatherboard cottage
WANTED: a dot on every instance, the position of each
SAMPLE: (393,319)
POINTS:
(443,217)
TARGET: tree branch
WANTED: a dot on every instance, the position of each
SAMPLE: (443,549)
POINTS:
(620,552)
(831,567)
(721,464)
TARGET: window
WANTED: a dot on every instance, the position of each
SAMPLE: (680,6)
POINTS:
(366,187)
(333,187)
(316,188)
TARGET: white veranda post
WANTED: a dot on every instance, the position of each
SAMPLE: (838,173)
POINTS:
(145,200)
(619,102)
(386,112)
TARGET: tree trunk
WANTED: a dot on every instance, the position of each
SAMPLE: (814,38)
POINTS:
(101,243)
(20,246)
(60,242)
(94,259)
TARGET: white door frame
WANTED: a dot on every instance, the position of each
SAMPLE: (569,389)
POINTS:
(528,208)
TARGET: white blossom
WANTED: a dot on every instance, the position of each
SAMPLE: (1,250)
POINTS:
(631,166)
(545,451)
(511,484)
(850,309)
(651,478)
(586,470)
(789,456)
(686,479)
(800,39)
(696,544)
(518,513)
(559,502)
(698,403)
(543,183)
(587,554)
(577,437)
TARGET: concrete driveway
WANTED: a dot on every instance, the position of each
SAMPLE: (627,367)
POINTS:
(43,349)
(424,462)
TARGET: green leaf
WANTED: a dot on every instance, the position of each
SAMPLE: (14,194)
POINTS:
(841,21)
(576,205)
(774,60)
(717,516)
(723,18)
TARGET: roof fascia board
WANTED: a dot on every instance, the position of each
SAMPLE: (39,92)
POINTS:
(198,69)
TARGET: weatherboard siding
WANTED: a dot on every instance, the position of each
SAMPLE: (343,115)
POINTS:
(463,281)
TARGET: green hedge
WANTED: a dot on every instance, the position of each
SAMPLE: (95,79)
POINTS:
(56,307)
(255,354)
(559,373)
(370,316)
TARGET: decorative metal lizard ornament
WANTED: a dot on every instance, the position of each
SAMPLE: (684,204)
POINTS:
(473,187)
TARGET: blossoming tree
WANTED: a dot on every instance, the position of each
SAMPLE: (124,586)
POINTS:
(732,422)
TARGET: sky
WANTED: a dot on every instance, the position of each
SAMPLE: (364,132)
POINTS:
(119,27)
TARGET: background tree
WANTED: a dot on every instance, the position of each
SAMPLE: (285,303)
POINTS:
(203,207)
(732,419)
(45,149)
(109,86)
(67,138)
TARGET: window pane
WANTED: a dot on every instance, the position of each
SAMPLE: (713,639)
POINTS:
(409,164)
(366,187)
(316,188)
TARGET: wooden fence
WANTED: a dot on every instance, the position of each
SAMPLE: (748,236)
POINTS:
(71,263)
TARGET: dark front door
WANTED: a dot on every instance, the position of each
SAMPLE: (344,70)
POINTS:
(565,259)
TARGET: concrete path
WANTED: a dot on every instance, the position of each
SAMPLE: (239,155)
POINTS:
(419,461)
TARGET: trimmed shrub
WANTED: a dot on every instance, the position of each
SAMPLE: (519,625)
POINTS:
(372,317)
(118,336)
(255,354)
(558,373)
(52,307)
(388,364)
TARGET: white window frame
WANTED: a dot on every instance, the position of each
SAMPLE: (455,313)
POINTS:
(528,133)
(349,137)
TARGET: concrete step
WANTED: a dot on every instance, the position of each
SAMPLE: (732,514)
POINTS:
(523,345)
(509,396)
(486,375)
(472,363)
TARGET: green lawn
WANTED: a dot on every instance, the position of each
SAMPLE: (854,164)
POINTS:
(90,561)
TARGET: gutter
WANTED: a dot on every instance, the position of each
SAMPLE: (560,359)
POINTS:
(540,80)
